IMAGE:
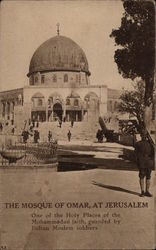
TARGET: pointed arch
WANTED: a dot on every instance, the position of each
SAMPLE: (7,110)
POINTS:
(91,95)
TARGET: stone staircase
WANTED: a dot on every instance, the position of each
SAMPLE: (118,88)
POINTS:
(80,130)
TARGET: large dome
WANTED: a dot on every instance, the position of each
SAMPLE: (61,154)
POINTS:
(59,53)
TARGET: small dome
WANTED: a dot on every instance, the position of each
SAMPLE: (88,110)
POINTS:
(59,53)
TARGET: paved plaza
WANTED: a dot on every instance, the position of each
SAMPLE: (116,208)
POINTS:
(94,191)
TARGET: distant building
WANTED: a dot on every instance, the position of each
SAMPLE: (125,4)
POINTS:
(59,89)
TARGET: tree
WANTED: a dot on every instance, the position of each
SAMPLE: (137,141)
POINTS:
(133,102)
(136,38)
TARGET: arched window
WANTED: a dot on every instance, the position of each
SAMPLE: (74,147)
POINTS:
(76,102)
(54,78)
(42,78)
(65,78)
(68,101)
(40,102)
(36,79)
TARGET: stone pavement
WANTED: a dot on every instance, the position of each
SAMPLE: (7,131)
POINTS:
(80,131)
(103,228)
(92,143)
(92,154)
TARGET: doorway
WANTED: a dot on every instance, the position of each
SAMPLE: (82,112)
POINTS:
(57,111)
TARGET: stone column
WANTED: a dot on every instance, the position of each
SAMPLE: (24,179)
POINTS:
(64,110)
(11,112)
(67,117)
(82,114)
(52,115)
(76,116)
(4,109)
(8,110)
(1,109)
(46,105)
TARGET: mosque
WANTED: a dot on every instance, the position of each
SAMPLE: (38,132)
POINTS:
(59,89)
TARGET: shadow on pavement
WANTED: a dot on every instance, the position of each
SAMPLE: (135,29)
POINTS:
(115,188)
(82,162)
(121,159)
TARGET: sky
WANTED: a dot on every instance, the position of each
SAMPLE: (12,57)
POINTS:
(25,25)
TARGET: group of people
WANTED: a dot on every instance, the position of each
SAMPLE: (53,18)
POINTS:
(27,133)
(64,119)
(31,131)
(7,127)
(143,150)
(60,125)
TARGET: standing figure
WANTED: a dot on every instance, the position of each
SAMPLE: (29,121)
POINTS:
(145,162)
(25,135)
(60,123)
(1,127)
(99,135)
(36,136)
(49,136)
(13,130)
(69,135)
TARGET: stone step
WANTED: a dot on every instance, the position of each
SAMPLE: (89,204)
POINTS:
(80,130)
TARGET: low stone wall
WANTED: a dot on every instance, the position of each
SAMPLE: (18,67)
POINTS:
(53,167)
(29,155)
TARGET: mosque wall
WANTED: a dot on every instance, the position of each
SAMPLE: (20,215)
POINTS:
(59,78)
(46,91)
(92,99)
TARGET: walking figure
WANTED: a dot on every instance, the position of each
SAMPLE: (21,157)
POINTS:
(69,135)
(145,162)
(36,136)
(49,136)
(60,123)
(25,135)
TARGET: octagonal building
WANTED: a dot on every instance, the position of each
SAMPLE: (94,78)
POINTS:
(58,89)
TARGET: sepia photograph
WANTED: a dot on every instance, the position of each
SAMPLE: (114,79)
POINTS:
(77,125)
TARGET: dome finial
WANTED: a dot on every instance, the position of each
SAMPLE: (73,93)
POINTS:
(58,28)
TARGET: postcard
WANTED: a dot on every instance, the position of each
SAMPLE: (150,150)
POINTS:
(77,125)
